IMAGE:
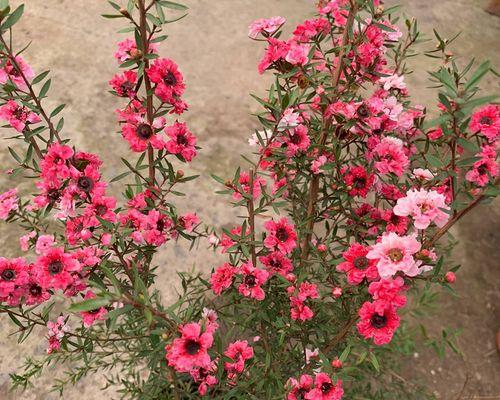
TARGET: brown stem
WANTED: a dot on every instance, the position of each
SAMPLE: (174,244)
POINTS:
(251,218)
(314,186)
(149,97)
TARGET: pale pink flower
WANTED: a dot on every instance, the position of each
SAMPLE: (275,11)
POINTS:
(424,207)
(290,119)
(24,241)
(424,174)
(8,203)
(44,243)
(395,253)
(393,82)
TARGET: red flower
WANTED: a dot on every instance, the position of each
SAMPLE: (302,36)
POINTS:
(222,278)
(55,268)
(379,321)
(325,389)
(487,122)
(239,352)
(182,142)
(191,349)
(169,81)
(253,278)
(13,273)
(280,235)
(357,266)
(358,181)
(124,84)
(277,263)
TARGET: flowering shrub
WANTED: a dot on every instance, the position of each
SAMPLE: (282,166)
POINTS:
(350,192)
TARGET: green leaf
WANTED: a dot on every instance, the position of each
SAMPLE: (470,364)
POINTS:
(40,77)
(481,71)
(434,161)
(172,5)
(89,304)
(57,110)
(121,176)
(13,18)
(45,88)
(374,361)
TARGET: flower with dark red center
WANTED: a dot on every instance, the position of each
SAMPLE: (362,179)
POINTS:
(280,235)
(379,321)
(222,278)
(91,316)
(18,116)
(182,142)
(357,266)
(358,181)
(124,84)
(239,352)
(325,389)
(139,133)
(168,79)
(13,273)
(55,269)
(253,278)
(277,263)
(486,121)
(191,349)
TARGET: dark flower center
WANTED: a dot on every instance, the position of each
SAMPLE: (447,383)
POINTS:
(395,255)
(170,79)
(249,280)
(482,170)
(35,290)
(485,121)
(192,347)
(144,131)
(359,183)
(101,209)
(276,264)
(80,164)
(85,183)
(160,225)
(8,274)
(94,311)
(378,321)
(363,111)
(281,234)
(19,113)
(295,139)
(361,263)
(53,195)
(301,393)
(182,140)
(126,86)
(326,387)
(55,267)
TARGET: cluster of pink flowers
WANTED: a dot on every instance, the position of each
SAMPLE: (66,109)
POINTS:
(189,353)
(57,331)
(8,203)
(319,387)
(169,86)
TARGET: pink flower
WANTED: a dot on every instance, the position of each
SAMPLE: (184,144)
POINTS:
(357,266)
(124,84)
(280,235)
(90,317)
(389,290)
(317,164)
(8,203)
(311,28)
(277,263)
(222,278)
(325,389)
(289,119)
(24,241)
(43,243)
(424,207)
(13,273)
(57,331)
(253,279)
(486,121)
(191,349)
(379,321)
(140,133)
(422,174)
(244,181)
(435,134)
(297,141)
(393,82)
(485,168)
(168,79)
(390,157)
(265,26)
(54,268)
(394,253)
(18,116)
(239,352)
(298,54)
(205,377)
(300,388)
(127,50)
(15,74)
(182,142)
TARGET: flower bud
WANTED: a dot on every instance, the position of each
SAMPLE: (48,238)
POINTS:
(337,292)
(337,363)
(180,174)
(124,12)
(450,277)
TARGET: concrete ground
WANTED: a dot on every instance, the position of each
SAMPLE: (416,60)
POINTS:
(219,64)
